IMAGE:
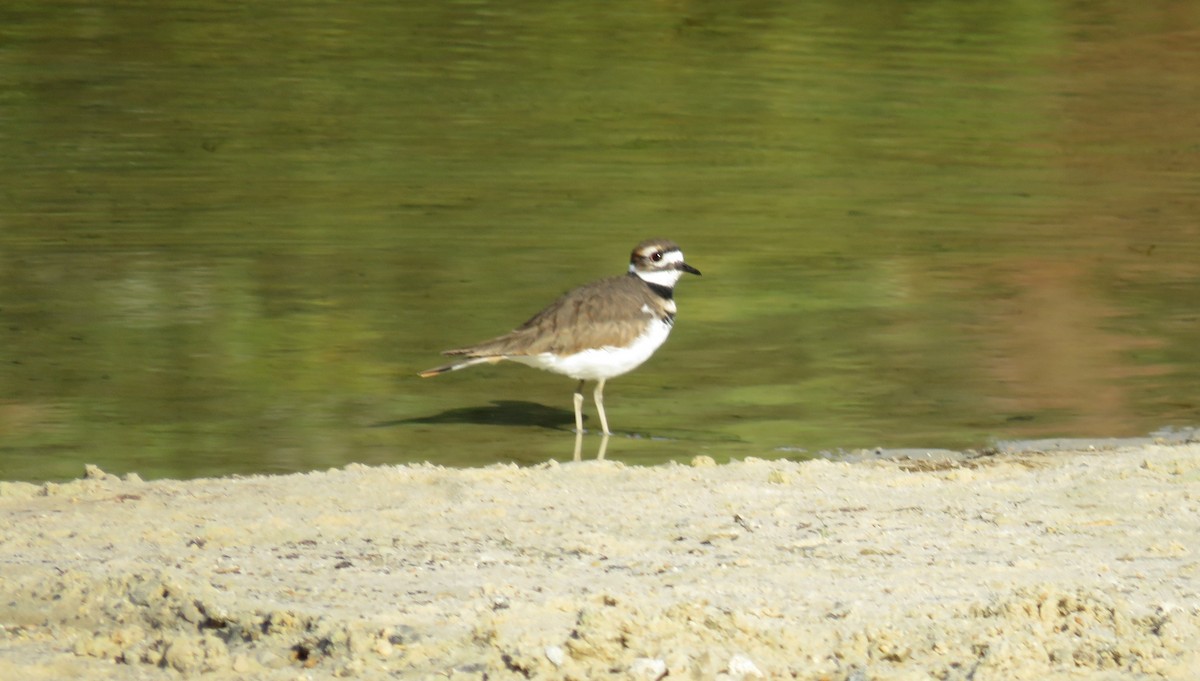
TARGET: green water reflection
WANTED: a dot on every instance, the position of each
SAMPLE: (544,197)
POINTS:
(230,235)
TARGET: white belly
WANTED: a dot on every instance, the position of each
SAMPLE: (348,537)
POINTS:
(605,362)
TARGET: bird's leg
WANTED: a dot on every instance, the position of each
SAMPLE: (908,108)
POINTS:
(598,395)
(579,408)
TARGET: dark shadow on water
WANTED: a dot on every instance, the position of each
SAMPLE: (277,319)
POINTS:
(498,413)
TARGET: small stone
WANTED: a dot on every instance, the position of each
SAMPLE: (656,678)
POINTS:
(556,655)
(703,461)
(741,666)
(647,668)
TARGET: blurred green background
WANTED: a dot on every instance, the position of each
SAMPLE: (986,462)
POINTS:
(231,234)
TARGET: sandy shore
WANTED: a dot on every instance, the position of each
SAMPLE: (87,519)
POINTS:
(1034,566)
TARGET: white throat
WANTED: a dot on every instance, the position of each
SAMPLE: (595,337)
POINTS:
(666,278)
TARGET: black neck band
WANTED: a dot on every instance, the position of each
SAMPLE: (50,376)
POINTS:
(664,292)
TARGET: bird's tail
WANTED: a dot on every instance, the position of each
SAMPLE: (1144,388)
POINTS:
(458,365)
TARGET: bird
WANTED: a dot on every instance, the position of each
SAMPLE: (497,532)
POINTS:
(594,332)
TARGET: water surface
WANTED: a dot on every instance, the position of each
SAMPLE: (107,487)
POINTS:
(231,235)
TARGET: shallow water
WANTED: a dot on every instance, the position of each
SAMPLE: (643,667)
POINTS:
(231,236)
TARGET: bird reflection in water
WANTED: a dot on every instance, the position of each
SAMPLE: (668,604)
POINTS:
(578,455)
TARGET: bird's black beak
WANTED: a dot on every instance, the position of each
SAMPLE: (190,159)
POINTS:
(684,267)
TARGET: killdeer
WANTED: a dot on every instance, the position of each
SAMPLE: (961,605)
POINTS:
(597,331)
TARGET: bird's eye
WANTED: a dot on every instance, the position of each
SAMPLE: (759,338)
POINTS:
(656,256)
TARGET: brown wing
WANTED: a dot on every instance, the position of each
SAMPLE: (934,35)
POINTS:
(606,312)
